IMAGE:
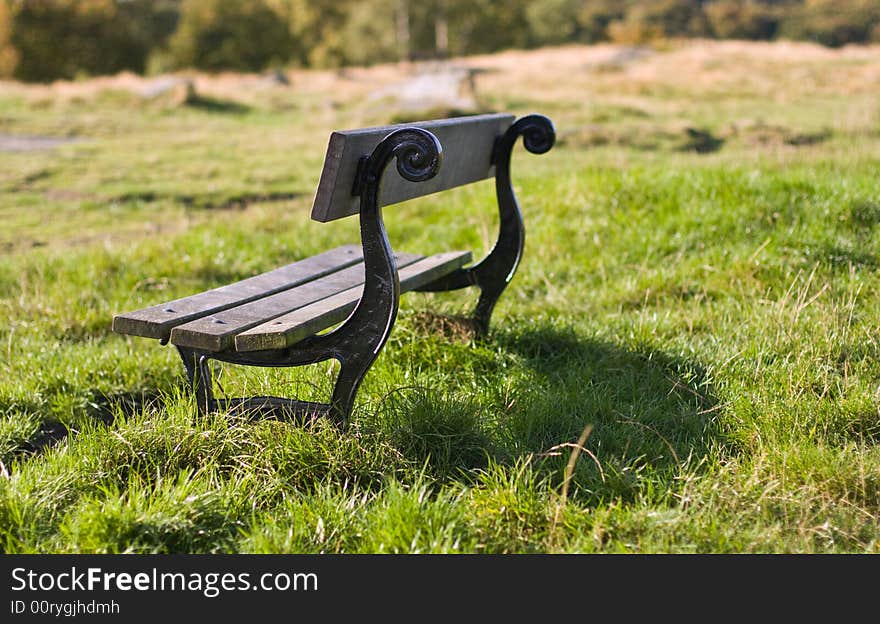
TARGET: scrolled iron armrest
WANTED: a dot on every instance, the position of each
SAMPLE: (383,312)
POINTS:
(494,272)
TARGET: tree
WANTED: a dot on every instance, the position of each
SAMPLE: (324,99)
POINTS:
(645,21)
(735,19)
(481,26)
(564,21)
(370,33)
(44,40)
(62,38)
(243,35)
(552,21)
(8,54)
(595,16)
(833,22)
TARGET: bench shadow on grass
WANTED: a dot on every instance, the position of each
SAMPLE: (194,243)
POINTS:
(648,411)
(100,408)
(217,105)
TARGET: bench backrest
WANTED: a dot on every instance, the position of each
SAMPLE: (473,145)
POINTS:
(467,144)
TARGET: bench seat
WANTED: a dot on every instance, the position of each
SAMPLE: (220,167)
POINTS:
(279,308)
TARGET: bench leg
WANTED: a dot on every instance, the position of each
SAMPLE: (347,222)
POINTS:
(198,373)
(356,345)
(351,374)
(495,271)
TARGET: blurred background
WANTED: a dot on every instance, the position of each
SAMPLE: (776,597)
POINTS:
(44,40)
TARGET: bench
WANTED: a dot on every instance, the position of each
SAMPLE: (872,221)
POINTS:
(277,318)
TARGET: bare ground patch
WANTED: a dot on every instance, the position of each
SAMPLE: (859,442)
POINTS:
(32,143)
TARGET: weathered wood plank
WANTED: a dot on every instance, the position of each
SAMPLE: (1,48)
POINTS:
(467,153)
(216,332)
(290,328)
(157,321)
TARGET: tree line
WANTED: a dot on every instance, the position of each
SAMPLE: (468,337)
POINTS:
(43,40)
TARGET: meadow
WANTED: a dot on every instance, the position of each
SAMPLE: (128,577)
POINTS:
(686,362)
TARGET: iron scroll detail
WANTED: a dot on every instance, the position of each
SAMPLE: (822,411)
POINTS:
(418,153)
(537,132)
(494,272)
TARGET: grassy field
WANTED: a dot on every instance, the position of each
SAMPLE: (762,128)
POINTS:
(699,298)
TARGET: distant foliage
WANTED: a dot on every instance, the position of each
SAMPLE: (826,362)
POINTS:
(734,19)
(834,23)
(244,35)
(485,26)
(594,19)
(50,39)
(8,54)
(660,19)
(318,31)
(377,40)
(64,38)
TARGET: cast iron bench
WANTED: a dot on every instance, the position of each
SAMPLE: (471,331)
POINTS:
(275,319)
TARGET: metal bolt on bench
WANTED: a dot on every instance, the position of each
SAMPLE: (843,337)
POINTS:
(273,319)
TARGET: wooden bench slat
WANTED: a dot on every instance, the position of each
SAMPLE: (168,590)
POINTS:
(290,328)
(467,157)
(217,331)
(157,321)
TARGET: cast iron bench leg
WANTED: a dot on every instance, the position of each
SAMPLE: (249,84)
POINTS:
(198,373)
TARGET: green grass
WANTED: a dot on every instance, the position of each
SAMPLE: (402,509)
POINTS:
(713,318)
